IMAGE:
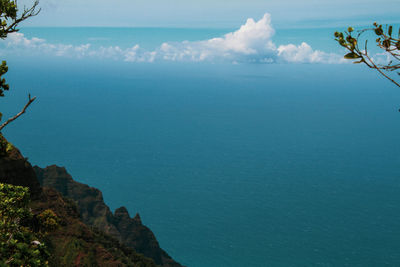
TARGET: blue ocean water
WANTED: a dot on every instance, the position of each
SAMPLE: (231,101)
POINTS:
(229,165)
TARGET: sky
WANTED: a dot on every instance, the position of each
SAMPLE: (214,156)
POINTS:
(252,23)
(252,42)
(212,13)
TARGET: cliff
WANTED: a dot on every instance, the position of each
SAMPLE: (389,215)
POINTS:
(129,231)
(76,244)
(89,233)
(16,170)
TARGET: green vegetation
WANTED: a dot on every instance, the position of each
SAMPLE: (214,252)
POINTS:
(48,232)
(19,243)
(48,220)
(5,146)
(386,42)
(9,22)
(70,242)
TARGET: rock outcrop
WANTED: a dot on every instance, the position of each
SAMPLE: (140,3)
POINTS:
(89,200)
(89,233)
(76,244)
(134,234)
(130,231)
(16,170)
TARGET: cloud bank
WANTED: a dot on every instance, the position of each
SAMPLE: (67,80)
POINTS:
(251,43)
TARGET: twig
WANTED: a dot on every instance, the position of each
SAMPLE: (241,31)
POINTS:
(374,66)
(30,100)
(9,260)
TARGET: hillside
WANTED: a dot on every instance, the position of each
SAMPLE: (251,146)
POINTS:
(95,213)
(89,234)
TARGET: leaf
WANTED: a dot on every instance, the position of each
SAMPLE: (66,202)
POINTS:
(358,62)
(386,43)
(378,31)
(351,55)
(390,30)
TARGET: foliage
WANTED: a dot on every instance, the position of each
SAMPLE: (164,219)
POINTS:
(3,85)
(9,22)
(5,146)
(48,220)
(73,243)
(385,41)
(19,245)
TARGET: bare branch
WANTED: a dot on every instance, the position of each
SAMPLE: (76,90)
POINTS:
(30,101)
(374,66)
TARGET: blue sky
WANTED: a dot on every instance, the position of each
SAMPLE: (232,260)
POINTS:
(250,28)
(212,13)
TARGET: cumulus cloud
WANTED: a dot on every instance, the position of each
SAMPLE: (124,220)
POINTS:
(251,43)
(305,54)
(18,43)
(17,39)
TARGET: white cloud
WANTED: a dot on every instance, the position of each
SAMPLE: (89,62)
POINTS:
(18,39)
(135,54)
(305,54)
(18,43)
(251,43)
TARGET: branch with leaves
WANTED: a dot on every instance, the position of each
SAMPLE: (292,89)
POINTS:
(385,41)
(10,18)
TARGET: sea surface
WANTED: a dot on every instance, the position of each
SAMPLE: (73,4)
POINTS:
(230,165)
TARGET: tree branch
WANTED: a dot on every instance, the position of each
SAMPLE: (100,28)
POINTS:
(371,64)
(27,13)
(30,101)
(378,69)
(384,41)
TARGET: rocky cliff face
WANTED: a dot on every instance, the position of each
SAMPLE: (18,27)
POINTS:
(15,169)
(89,200)
(76,244)
(89,233)
(134,234)
(130,231)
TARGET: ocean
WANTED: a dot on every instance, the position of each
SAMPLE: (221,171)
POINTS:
(230,164)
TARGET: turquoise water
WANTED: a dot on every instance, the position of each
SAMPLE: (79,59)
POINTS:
(229,165)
